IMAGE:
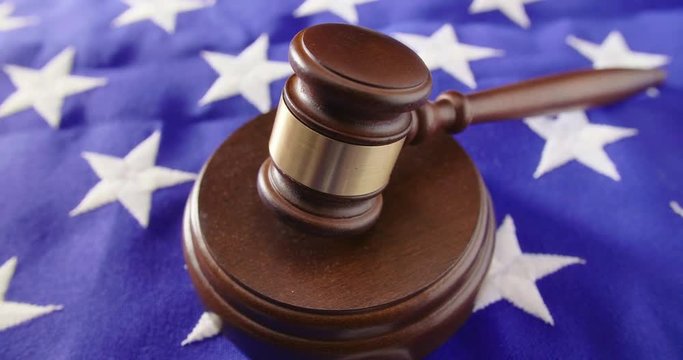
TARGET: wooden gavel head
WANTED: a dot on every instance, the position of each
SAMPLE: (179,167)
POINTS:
(341,123)
(357,96)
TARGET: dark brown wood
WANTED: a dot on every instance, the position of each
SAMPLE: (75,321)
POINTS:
(394,292)
(314,211)
(453,111)
(354,84)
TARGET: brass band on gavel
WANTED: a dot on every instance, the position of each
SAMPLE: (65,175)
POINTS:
(328,165)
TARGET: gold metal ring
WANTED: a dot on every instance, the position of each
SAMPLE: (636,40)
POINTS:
(328,165)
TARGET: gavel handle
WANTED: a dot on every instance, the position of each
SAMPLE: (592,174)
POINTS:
(453,111)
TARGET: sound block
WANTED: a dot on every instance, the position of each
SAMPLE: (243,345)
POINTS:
(395,292)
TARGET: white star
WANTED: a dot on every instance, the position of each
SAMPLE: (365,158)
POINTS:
(249,73)
(676,208)
(345,9)
(130,180)
(513,9)
(512,275)
(443,51)
(615,53)
(46,89)
(161,12)
(209,325)
(570,136)
(14,313)
(7,22)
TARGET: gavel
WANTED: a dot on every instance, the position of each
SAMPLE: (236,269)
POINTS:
(357,97)
(342,137)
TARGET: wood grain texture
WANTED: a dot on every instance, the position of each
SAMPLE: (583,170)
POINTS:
(397,291)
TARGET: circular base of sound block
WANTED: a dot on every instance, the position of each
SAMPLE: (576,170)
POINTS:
(397,291)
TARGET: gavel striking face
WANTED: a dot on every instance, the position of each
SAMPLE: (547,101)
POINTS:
(357,97)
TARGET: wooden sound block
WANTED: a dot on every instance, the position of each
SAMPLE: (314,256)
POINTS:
(395,292)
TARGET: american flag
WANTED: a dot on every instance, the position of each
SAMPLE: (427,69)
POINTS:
(109,108)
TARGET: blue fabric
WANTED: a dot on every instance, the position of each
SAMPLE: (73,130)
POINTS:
(124,290)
